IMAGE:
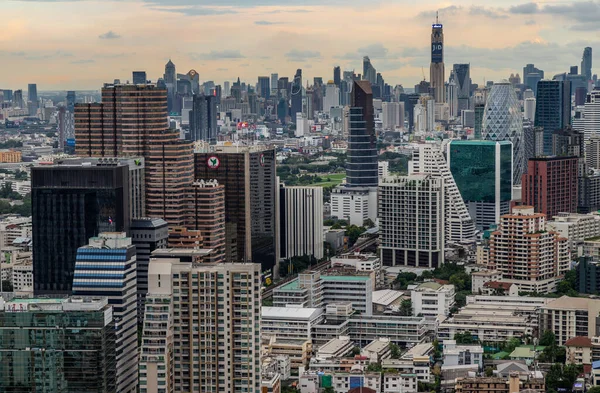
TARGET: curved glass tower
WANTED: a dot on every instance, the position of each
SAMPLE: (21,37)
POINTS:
(502,120)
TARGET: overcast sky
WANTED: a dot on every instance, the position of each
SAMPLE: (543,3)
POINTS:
(79,44)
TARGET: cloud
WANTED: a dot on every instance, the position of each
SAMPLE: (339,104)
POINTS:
(217,55)
(109,35)
(527,9)
(302,55)
(196,11)
(83,61)
(530,22)
(580,11)
(222,69)
(37,55)
(450,10)
(266,23)
(487,12)
(374,51)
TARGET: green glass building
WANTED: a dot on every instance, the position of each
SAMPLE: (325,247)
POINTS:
(57,345)
(483,172)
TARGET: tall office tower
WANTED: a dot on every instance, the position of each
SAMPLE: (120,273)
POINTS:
(264,88)
(393,115)
(203,119)
(568,142)
(337,76)
(429,158)
(296,95)
(227,88)
(369,72)
(209,215)
(591,122)
(147,235)
(462,74)
(550,185)
(274,79)
(580,96)
(214,350)
(139,77)
(451,96)
(332,97)
(8,95)
(57,345)
(533,142)
(586,63)
(531,77)
(502,120)
(361,169)
(411,220)
(514,80)
(71,204)
(18,99)
(526,253)
(301,221)
(71,99)
(552,109)
(483,174)
(283,89)
(170,77)
(317,100)
(436,69)
(32,94)
(529,109)
(248,174)
(138,127)
(410,100)
(107,267)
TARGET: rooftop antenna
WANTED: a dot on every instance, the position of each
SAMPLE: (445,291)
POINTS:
(437,19)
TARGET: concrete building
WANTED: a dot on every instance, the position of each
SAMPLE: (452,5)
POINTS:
(570,317)
(579,350)
(354,205)
(107,267)
(360,263)
(431,299)
(335,348)
(209,217)
(478,279)
(458,355)
(526,253)
(499,385)
(293,323)
(301,221)
(298,352)
(173,359)
(412,220)
(575,227)
(377,350)
(355,289)
(436,69)
(392,115)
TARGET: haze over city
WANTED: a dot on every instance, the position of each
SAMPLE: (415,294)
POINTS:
(80,44)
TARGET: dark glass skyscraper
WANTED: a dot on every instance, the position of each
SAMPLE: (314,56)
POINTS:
(531,77)
(361,169)
(264,88)
(463,84)
(71,97)
(296,94)
(71,204)
(139,77)
(32,94)
(553,109)
(337,76)
(203,119)
(586,63)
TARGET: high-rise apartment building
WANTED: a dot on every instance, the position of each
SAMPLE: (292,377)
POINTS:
(393,115)
(132,121)
(203,119)
(526,253)
(550,185)
(296,94)
(429,158)
(552,108)
(591,122)
(502,121)
(568,142)
(18,99)
(248,174)
(411,220)
(202,328)
(586,63)
(436,69)
(57,345)
(32,98)
(147,235)
(483,174)
(332,97)
(361,168)
(139,77)
(301,221)
(70,204)
(529,109)
(209,215)
(107,267)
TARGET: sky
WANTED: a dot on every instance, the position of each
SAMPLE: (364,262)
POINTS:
(80,44)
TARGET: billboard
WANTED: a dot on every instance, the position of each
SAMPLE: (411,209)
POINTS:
(437,52)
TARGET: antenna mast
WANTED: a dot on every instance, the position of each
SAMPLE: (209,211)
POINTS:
(437,19)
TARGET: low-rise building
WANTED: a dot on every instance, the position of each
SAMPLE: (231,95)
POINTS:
(361,263)
(579,350)
(402,331)
(459,355)
(344,382)
(377,350)
(575,227)
(289,322)
(387,299)
(394,382)
(299,352)
(481,277)
(336,348)
(270,383)
(431,299)
(279,364)
(524,306)
(499,385)
(500,288)
(570,317)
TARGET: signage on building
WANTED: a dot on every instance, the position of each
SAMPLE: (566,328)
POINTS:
(213,162)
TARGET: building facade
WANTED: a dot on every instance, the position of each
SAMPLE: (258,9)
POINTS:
(552,108)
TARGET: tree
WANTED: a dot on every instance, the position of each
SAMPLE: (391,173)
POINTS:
(353,232)
(21,175)
(7,286)
(464,338)
(406,308)
(427,275)
(374,367)
(328,389)
(594,389)
(394,351)
(511,344)
(403,279)
(355,351)
(368,223)
(548,338)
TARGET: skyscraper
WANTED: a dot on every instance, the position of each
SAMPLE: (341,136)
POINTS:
(337,76)
(502,120)
(463,84)
(369,72)
(170,77)
(139,77)
(264,89)
(531,77)
(203,118)
(529,109)
(332,97)
(361,169)
(209,214)
(71,99)
(107,267)
(18,99)
(248,175)
(552,109)
(436,69)
(393,115)
(32,94)
(274,79)
(591,122)
(63,345)
(214,350)
(139,127)
(412,220)
(586,63)
(301,221)
(71,204)
(296,94)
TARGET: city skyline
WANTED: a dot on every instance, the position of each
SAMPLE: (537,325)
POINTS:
(258,37)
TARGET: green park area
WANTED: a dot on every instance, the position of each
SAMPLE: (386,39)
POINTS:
(330,180)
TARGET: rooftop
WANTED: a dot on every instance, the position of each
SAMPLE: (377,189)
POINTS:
(386,296)
(294,313)
(579,341)
(570,303)
(346,278)
(292,285)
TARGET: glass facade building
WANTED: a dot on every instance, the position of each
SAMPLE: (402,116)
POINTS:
(71,204)
(482,171)
(361,169)
(57,345)
(552,109)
